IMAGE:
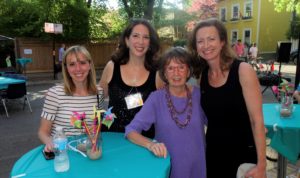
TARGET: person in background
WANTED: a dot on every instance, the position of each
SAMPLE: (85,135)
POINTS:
(232,101)
(178,118)
(8,60)
(61,53)
(130,76)
(239,48)
(253,51)
(79,93)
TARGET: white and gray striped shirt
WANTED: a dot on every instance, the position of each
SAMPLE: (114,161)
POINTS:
(59,107)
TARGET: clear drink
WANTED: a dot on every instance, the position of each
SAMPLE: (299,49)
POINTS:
(61,160)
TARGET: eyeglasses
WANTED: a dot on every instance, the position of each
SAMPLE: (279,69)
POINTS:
(179,68)
(80,63)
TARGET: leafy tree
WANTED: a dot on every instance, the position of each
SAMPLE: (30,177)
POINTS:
(141,8)
(289,6)
(19,17)
(175,18)
(108,26)
(202,9)
(75,25)
(81,19)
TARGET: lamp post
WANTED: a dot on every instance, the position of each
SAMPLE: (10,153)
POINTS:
(53,29)
(53,57)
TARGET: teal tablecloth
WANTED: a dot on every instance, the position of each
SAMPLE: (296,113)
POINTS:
(5,81)
(24,61)
(283,132)
(120,159)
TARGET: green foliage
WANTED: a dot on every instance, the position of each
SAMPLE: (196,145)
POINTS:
(288,5)
(26,18)
(133,8)
(180,42)
(75,20)
(107,26)
(19,17)
(173,23)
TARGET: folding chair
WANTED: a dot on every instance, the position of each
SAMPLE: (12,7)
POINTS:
(15,91)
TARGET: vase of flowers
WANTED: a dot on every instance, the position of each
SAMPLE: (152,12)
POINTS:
(93,144)
(94,147)
(286,106)
(285,92)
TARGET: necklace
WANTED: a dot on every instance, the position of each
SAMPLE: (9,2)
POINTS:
(175,112)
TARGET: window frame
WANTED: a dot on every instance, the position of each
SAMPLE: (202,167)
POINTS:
(223,18)
(234,16)
(233,41)
(248,3)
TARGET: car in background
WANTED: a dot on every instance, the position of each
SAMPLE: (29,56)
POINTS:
(293,56)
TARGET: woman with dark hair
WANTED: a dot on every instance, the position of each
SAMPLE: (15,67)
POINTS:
(178,117)
(130,76)
(232,102)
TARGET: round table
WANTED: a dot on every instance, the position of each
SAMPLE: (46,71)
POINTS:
(120,159)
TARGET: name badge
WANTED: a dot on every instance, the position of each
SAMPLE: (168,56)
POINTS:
(134,100)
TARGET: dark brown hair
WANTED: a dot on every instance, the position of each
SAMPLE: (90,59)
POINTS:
(121,56)
(174,53)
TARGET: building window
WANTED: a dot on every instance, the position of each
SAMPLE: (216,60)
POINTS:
(248,9)
(247,37)
(223,14)
(235,12)
(234,36)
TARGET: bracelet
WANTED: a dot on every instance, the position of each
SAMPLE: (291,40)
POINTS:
(149,147)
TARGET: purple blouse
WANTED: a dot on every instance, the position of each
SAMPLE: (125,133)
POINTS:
(186,146)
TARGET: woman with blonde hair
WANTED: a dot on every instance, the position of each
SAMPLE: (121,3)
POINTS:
(78,93)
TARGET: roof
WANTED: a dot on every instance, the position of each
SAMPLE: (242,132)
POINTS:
(5,38)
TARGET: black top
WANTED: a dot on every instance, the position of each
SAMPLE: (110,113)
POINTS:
(118,90)
(226,110)
(229,136)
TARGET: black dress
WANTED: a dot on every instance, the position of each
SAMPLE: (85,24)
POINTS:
(229,136)
(118,90)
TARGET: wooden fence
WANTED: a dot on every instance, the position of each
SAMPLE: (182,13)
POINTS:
(42,58)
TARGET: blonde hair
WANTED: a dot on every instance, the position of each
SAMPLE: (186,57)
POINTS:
(69,85)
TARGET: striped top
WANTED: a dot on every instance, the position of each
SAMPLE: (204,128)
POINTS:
(59,107)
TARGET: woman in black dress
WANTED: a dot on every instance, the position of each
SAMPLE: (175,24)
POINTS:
(232,102)
(130,76)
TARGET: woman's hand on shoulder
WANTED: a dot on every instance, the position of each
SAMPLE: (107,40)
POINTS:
(106,77)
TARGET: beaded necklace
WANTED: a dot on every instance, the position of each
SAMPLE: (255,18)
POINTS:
(174,112)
